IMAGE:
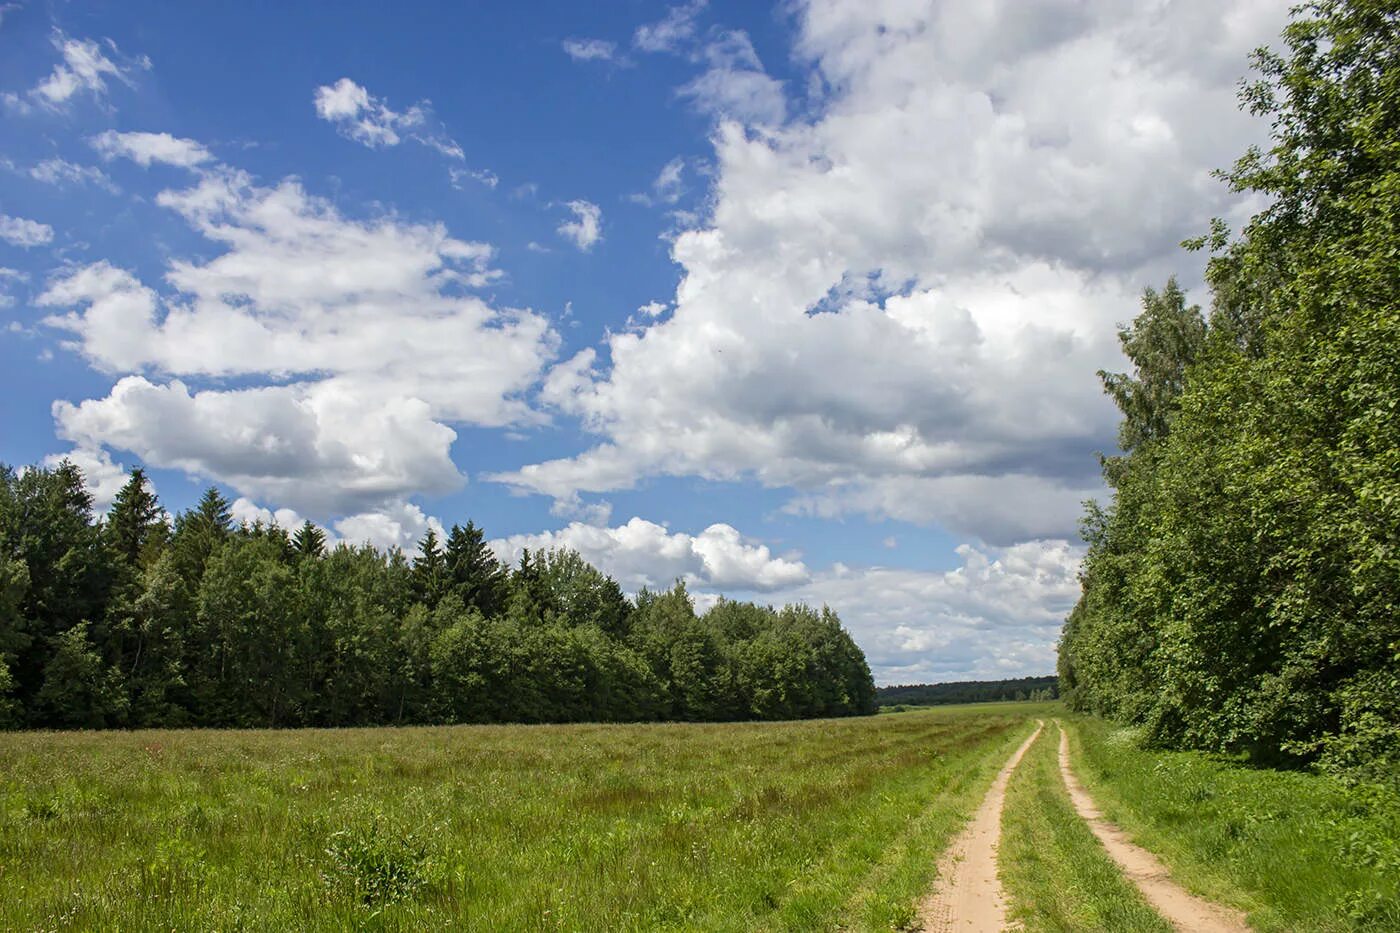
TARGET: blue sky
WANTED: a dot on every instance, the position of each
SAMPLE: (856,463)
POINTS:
(799,301)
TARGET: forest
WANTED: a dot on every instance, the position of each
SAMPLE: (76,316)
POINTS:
(1242,588)
(970,691)
(135,619)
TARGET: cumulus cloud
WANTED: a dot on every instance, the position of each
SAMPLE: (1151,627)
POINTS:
(998,614)
(246,511)
(586,228)
(642,553)
(322,447)
(356,344)
(17,231)
(590,50)
(359,115)
(897,304)
(146,148)
(85,69)
(396,524)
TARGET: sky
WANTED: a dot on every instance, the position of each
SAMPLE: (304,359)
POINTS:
(792,302)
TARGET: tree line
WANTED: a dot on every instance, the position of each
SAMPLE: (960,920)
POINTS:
(1242,589)
(969,691)
(135,619)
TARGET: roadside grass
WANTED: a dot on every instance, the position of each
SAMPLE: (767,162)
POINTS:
(1057,876)
(794,826)
(1296,851)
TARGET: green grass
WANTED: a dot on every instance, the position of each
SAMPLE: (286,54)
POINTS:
(1296,851)
(811,826)
(1056,875)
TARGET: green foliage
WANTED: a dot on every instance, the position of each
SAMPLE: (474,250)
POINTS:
(79,689)
(1036,689)
(125,622)
(1242,592)
(1295,851)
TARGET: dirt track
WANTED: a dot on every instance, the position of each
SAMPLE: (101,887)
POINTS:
(1180,907)
(968,894)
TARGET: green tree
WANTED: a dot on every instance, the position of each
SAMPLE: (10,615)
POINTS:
(431,581)
(1241,590)
(80,689)
(309,542)
(478,578)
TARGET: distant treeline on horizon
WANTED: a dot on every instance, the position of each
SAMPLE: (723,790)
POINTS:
(141,619)
(970,691)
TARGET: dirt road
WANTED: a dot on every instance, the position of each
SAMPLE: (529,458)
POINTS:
(968,895)
(1180,907)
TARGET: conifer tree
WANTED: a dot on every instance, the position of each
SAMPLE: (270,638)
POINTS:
(309,541)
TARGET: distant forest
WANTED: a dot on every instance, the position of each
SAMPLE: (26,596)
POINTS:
(1242,589)
(969,691)
(138,619)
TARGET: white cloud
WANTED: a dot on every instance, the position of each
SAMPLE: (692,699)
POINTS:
(734,85)
(586,228)
(17,231)
(60,172)
(7,300)
(103,478)
(359,115)
(897,305)
(460,176)
(85,68)
(590,50)
(996,615)
(668,186)
(654,308)
(642,553)
(357,344)
(395,524)
(671,32)
(246,511)
(145,148)
(321,447)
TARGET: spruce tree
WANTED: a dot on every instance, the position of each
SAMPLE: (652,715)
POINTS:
(309,541)
(430,578)
(477,576)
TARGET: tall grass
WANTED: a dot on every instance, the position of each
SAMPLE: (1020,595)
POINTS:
(809,825)
(1296,851)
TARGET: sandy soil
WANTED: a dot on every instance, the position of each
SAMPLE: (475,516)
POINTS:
(967,895)
(1182,909)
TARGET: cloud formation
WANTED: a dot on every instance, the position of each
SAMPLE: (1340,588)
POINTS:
(359,115)
(897,305)
(147,148)
(355,343)
(586,229)
(84,70)
(642,553)
(19,231)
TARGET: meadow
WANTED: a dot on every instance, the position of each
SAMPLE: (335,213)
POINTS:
(803,825)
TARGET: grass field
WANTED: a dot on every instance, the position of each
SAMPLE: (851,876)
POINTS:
(833,824)
(808,825)
(1295,851)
